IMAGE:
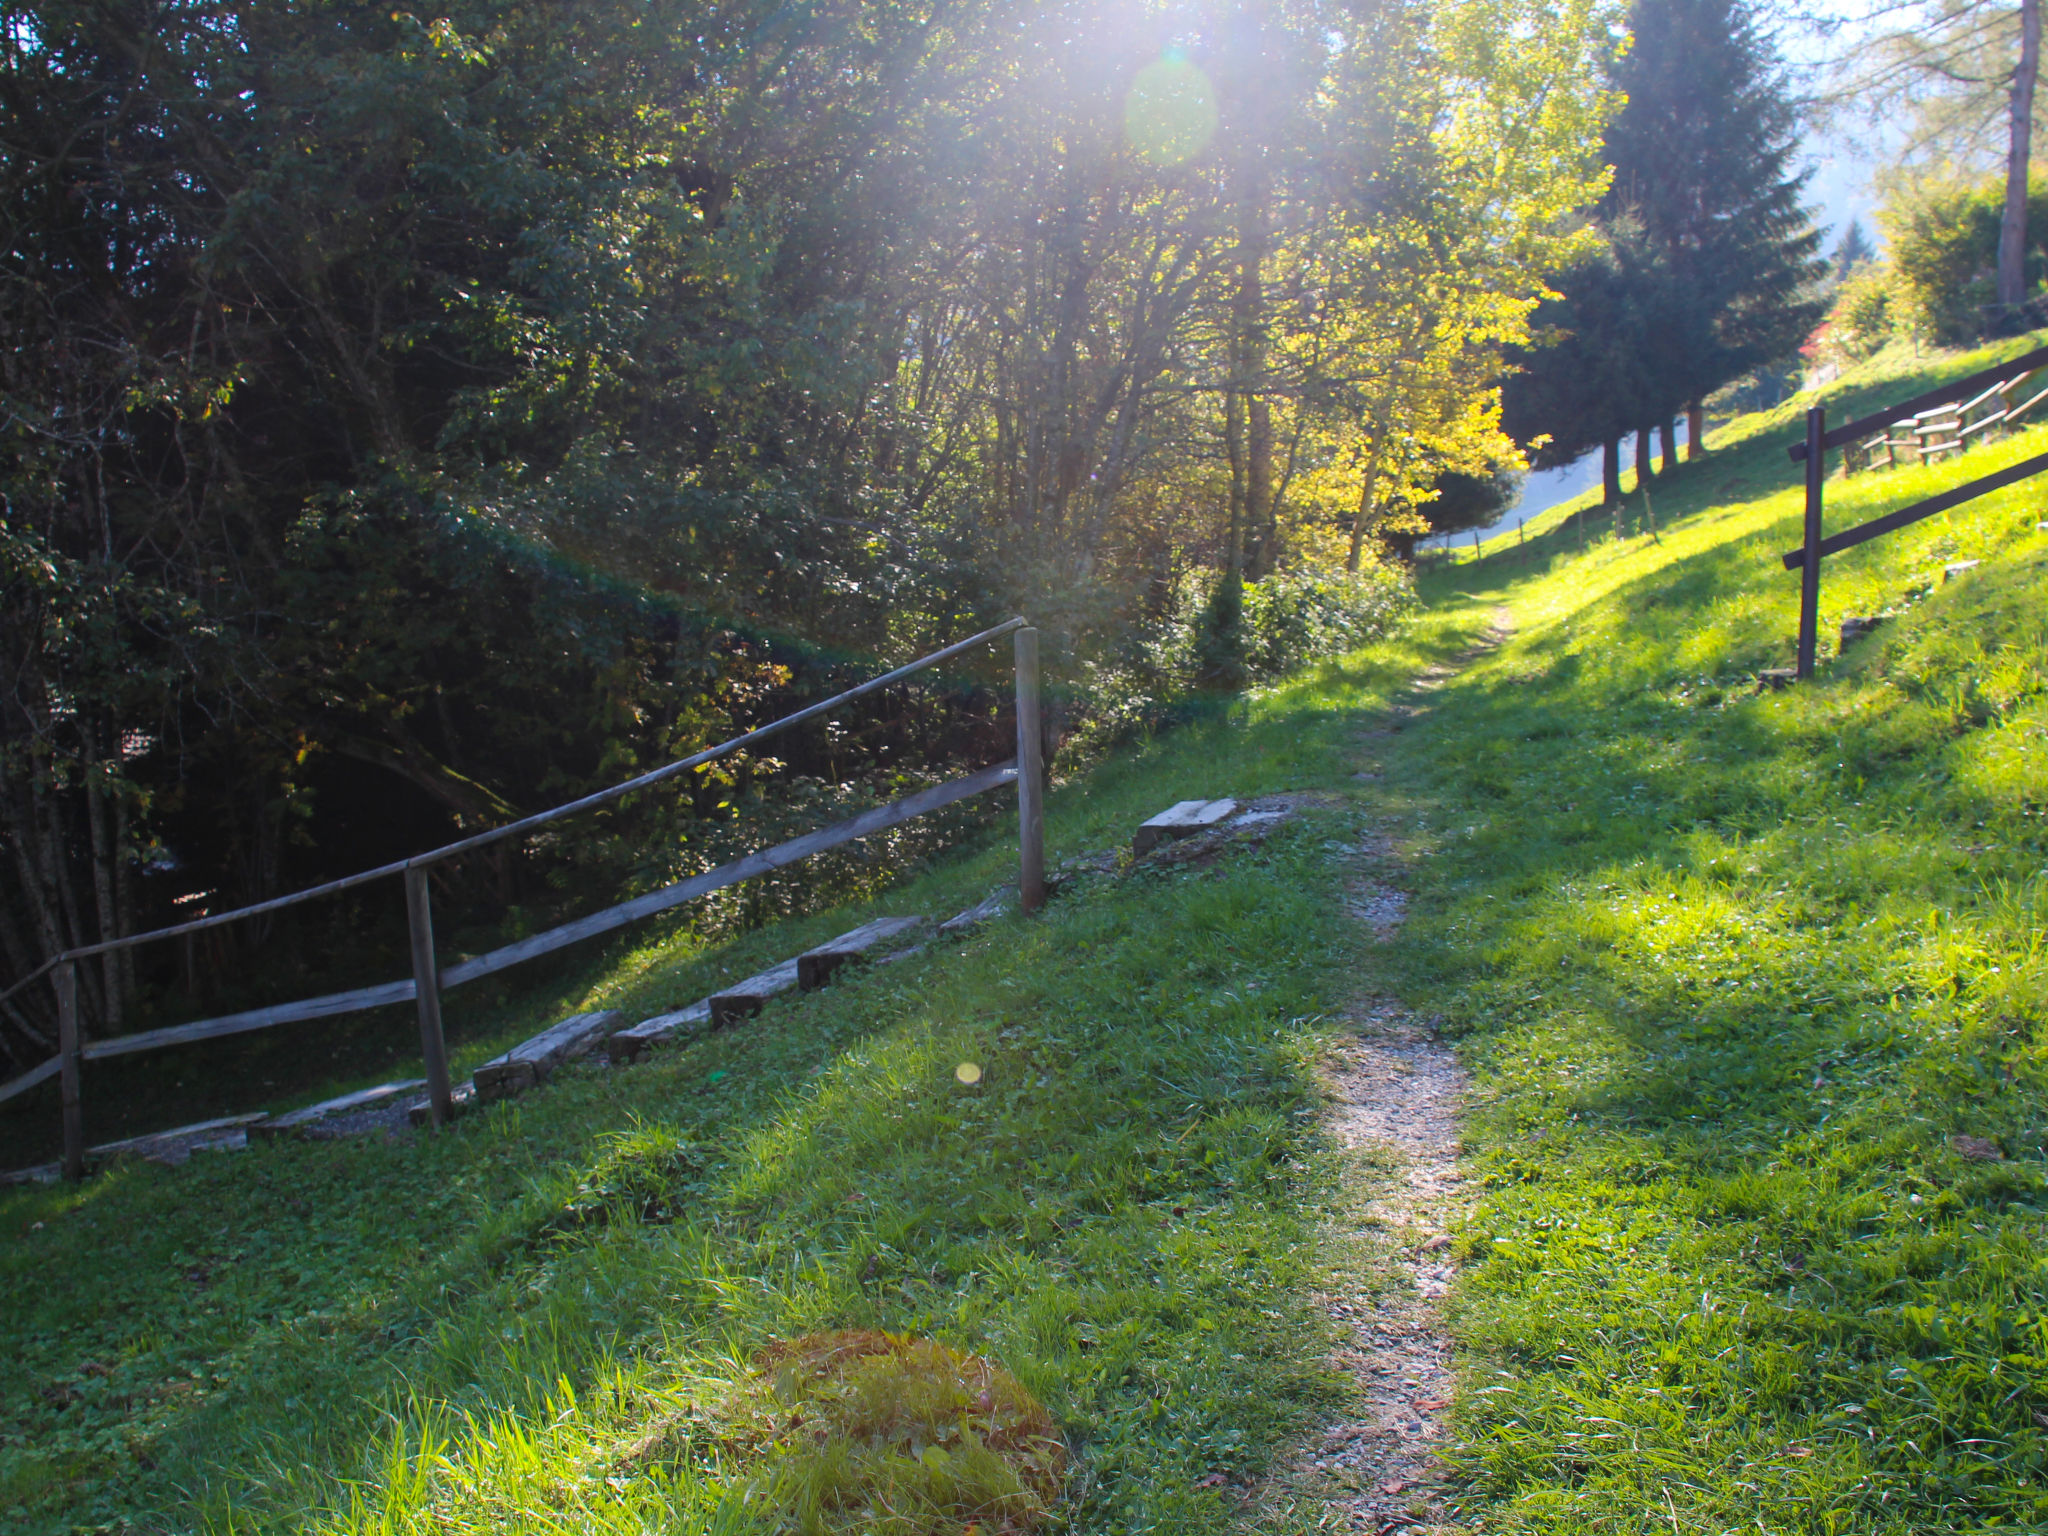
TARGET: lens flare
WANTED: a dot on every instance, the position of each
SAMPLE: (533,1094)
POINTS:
(968,1073)
(1170,111)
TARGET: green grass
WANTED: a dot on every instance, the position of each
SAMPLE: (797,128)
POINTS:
(477,1331)
(1731,971)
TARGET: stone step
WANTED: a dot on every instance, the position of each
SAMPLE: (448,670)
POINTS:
(1182,820)
(631,1044)
(362,1098)
(744,999)
(816,967)
(533,1061)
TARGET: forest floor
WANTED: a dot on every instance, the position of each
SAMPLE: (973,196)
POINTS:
(1644,1070)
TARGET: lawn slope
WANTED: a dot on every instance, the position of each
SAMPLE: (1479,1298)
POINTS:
(1754,988)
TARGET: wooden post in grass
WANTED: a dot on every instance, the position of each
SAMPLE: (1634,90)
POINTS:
(426,981)
(1809,570)
(1030,777)
(65,979)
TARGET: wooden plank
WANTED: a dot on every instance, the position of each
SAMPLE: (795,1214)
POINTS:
(362,1098)
(144,1144)
(990,906)
(426,991)
(815,967)
(30,1078)
(68,1037)
(743,999)
(256,1018)
(632,1044)
(534,1061)
(1969,490)
(753,865)
(1181,820)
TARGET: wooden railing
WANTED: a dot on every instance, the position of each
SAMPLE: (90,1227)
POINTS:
(1940,421)
(429,979)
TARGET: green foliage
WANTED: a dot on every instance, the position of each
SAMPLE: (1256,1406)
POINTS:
(1864,316)
(1942,243)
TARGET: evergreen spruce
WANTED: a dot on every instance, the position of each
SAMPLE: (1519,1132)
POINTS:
(1712,268)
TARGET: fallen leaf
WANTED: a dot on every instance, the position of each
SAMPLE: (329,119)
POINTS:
(1801,1451)
(1436,1244)
(1977,1149)
(1431,1404)
(1396,1487)
(1213,1480)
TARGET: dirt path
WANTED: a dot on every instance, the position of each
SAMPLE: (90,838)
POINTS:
(1393,1092)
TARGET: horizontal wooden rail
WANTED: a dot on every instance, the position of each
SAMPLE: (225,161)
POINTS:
(1878,526)
(30,1078)
(1862,426)
(866,824)
(748,868)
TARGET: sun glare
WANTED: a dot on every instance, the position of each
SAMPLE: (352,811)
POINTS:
(1170,113)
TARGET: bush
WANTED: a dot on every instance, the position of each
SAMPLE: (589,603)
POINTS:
(1864,315)
(1283,622)
(1944,254)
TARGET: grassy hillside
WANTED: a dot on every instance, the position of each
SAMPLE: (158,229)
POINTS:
(1736,971)
(1733,971)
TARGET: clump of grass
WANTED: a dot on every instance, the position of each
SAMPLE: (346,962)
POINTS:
(867,1431)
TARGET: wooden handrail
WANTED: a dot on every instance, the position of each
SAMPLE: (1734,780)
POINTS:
(1848,432)
(1862,533)
(539,818)
(429,980)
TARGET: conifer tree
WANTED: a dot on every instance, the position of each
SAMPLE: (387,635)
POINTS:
(1714,267)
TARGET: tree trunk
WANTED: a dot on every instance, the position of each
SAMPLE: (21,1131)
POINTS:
(2012,231)
(1642,457)
(1667,456)
(1367,490)
(1610,472)
(1695,431)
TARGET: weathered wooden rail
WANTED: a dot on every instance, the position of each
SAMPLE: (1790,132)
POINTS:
(1942,421)
(430,979)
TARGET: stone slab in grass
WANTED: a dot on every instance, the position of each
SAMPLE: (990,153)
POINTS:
(348,1103)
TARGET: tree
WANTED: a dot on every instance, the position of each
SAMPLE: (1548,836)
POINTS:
(1712,263)
(1964,71)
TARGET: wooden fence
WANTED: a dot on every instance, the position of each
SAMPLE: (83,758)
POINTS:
(430,979)
(1941,421)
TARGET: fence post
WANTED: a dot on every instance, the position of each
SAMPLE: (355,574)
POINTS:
(1030,776)
(65,979)
(1809,571)
(426,981)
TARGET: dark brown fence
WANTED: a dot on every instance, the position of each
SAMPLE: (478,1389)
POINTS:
(1988,402)
(429,979)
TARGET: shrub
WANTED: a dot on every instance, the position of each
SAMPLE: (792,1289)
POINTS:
(1864,315)
(1944,254)
(1288,619)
